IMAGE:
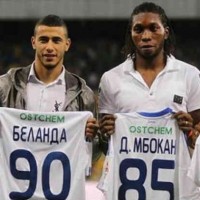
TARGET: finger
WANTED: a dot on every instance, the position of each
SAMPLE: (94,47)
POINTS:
(91,126)
(183,116)
(185,123)
(197,127)
(108,117)
(91,119)
(107,122)
(186,117)
(175,115)
(107,129)
(90,133)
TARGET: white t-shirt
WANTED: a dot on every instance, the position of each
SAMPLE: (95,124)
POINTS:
(122,89)
(43,155)
(148,159)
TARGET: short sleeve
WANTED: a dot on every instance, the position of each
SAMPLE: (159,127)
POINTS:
(105,99)
(193,90)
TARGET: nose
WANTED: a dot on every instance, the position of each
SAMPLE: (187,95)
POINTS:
(49,46)
(146,35)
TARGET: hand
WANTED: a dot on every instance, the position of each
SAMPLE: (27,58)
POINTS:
(91,128)
(195,132)
(107,125)
(197,127)
(184,120)
(193,135)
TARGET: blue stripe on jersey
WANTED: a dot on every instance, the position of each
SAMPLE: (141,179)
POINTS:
(156,114)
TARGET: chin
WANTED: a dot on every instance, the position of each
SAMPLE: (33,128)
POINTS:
(148,56)
(49,66)
(146,53)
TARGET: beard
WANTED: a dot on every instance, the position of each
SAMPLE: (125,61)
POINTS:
(149,54)
(49,66)
(49,63)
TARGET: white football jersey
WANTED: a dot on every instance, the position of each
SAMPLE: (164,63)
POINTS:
(43,155)
(194,171)
(148,160)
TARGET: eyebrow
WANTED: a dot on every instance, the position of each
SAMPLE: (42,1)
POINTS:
(53,38)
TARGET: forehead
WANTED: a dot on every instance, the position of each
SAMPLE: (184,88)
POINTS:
(146,18)
(54,31)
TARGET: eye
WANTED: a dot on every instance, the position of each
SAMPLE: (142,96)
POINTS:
(137,29)
(57,40)
(154,27)
(43,39)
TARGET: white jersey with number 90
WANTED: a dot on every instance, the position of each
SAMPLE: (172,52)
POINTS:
(42,155)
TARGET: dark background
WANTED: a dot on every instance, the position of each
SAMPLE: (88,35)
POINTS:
(96,45)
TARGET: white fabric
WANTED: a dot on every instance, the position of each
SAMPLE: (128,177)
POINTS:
(194,171)
(45,97)
(153,150)
(51,140)
(92,193)
(122,89)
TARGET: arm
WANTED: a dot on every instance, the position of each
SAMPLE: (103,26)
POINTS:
(107,128)
(88,102)
(189,124)
(91,128)
(106,105)
(195,132)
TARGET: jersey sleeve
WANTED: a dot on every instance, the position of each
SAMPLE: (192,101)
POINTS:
(194,169)
(106,104)
(193,90)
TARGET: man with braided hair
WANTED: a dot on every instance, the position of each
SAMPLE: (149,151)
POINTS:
(149,80)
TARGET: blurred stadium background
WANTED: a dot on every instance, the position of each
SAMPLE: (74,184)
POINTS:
(97,29)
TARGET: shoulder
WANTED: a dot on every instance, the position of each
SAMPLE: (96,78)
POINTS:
(181,69)
(15,73)
(118,71)
(14,77)
(75,81)
(182,66)
(119,68)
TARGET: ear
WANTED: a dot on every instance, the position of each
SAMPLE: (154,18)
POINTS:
(68,44)
(33,42)
(166,32)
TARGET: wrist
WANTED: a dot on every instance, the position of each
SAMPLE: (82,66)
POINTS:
(192,137)
(103,137)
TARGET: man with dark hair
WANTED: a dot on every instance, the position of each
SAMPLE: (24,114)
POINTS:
(148,81)
(46,85)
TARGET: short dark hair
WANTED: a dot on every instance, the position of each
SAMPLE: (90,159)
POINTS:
(52,21)
(169,45)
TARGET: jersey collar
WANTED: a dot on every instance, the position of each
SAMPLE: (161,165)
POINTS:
(33,78)
(170,66)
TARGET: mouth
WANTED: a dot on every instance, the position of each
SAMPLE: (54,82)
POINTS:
(146,47)
(49,57)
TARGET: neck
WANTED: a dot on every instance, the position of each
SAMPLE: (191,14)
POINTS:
(47,75)
(149,68)
(155,63)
